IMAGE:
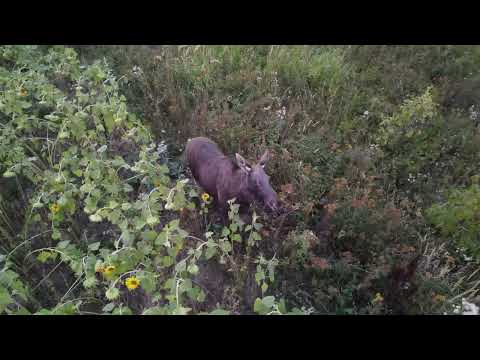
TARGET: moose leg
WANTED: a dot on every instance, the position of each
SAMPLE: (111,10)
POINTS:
(222,208)
(224,214)
(244,213)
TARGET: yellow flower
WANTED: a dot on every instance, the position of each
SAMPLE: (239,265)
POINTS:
(378,298)
(439,298)
(109,270)
(23,92)
(55,208)
(132,283)
(205,197)
(157,183)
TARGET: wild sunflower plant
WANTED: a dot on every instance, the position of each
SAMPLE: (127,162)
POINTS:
(99,200)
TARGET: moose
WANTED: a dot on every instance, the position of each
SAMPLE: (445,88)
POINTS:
(226,178)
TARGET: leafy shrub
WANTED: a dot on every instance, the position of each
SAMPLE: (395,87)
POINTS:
(457,218)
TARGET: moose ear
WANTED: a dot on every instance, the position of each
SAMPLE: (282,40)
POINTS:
(242,163)
(265,157)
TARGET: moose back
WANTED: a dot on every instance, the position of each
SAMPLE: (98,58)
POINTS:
(227,178)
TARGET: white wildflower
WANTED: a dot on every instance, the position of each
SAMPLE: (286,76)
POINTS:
(456,309)
(136,70)
(473,113)
(469,308)
(411,178)
(281,113)
(161,148)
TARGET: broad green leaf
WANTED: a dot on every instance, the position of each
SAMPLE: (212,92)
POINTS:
(264,288)
(127,188)
(220,312)
(181,266)
(182,233)
(296,311)
(139,223)
(174,224)
(5,298)
(193,269)
(126,206)
(259,307)
(259,276)
(90,282)
(87,187)
(268,301)
(63,134)
(127,237)
(8,174)
(21,311)
(112,204)
(167,261)
(226,247)
(144,247)
(56,234)
(201,296)
(122,310)
(95,218)
(237,237)
(258,226)
(210,252)
(225,232)
(149,235)
(112,293)
(43,256)
(148,282)
(44,312)
(95,246)
(256,236)
(181,310)
(63,244)
(161,238)
(109,307)
(156,310)
(37,205)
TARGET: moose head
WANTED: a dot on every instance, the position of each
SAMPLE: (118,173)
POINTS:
(257,181)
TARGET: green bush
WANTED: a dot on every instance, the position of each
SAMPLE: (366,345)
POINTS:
(458,220)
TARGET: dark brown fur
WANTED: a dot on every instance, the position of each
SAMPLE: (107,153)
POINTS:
(224,178)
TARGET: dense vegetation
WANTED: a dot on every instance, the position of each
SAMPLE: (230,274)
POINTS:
(375,157)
